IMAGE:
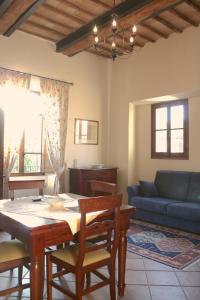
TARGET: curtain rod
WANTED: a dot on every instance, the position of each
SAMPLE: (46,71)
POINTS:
(71,83)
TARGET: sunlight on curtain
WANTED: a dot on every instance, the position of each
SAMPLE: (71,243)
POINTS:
(13,88)
(55,96)
(21,108)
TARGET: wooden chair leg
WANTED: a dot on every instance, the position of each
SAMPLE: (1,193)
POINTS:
(79,286)
(88,279)
(60,246)
(112,281)
(20,274)
(49,277)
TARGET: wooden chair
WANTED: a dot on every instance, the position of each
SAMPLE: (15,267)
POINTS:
(98,188)
(85,258)
(13,255)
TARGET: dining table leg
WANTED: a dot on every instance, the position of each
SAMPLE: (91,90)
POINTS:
(122,262)
(37,277)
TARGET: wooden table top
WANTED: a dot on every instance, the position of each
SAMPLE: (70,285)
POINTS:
(26,178)
(34,221)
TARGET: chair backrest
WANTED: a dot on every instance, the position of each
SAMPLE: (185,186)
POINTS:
(107,209)
(98,188)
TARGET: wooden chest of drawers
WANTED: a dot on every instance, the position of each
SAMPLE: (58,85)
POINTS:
(78,178)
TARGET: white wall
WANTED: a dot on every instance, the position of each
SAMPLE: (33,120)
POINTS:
(170,66)
(147,167)
(104,91)
(88,96)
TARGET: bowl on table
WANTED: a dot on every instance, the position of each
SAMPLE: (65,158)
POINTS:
(55,202)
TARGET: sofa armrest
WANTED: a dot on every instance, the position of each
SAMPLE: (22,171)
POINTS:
(133,190)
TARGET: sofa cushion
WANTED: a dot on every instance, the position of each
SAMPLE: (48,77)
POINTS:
(184,210)
(194,188)
(148,189)
(173,184)
(157,205)
(133,190)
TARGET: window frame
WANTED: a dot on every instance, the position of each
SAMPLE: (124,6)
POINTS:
(168,155)
(22,153)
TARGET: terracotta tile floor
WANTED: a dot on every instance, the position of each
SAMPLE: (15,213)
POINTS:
(145,279)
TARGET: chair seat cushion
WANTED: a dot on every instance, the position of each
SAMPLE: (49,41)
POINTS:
(70,254)
(12,250)
(185,210)
(157,205)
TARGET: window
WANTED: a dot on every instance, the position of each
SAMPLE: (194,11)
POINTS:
(23,129)
(29,157)
(169,129)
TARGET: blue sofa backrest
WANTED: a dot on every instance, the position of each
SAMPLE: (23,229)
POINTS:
(194,188)
(173,184)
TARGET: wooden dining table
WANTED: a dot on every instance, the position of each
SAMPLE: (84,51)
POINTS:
(39,233)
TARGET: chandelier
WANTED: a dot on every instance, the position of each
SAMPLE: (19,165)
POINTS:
(117,40)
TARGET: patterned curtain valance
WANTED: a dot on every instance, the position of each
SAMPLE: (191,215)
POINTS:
(14,79)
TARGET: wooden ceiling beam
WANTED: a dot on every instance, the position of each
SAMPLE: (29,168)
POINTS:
(93,51)
(101,3)
(154,30)
(43,27)
(145,37)
(122,40)
(78,47)
(183,17)
(121,47)
(4,5)
(23,17)
(72,51)
(43,36)
(193,4)
(120,51)
(107,47)
(167,24)
(79,8)
(83,39)
(122,9)
(148,11)
(126,39)
(55,22)
(64,14)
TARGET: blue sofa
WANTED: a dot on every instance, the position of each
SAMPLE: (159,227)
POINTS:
(172,200)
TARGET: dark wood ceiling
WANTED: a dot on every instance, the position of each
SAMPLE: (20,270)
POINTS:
(69,23)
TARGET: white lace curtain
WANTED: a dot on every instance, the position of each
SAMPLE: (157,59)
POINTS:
(55,94)
(18,81)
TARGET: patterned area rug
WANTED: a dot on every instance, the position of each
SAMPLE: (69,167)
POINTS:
(169,246)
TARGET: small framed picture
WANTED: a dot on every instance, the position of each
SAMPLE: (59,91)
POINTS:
(86,132)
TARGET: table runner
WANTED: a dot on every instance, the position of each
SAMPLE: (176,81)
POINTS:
(69,212)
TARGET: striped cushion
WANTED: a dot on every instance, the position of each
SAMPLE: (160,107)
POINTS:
(11,250)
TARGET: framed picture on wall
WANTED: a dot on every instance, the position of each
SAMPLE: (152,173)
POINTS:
(86,132)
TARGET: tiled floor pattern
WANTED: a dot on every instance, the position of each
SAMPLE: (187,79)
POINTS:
(145,280)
